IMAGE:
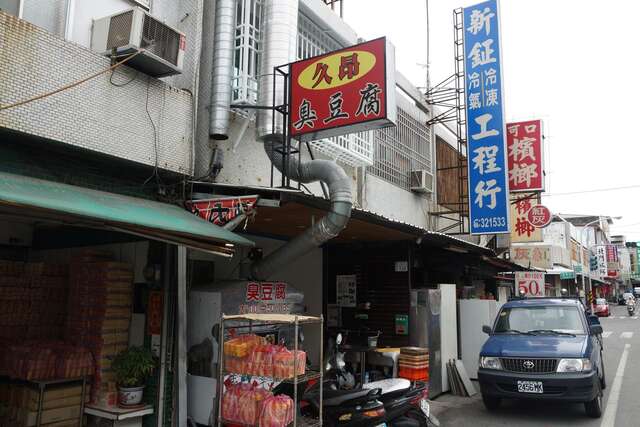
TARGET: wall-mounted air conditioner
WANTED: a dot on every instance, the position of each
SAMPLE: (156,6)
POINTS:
(133,30)
(421,181)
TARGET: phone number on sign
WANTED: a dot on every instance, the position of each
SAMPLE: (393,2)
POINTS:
(489,222)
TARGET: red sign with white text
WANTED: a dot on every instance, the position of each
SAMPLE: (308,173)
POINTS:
(539,216)
(524,154)
(222,210)
(344,91)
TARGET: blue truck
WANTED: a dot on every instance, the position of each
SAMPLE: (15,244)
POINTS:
(543,348)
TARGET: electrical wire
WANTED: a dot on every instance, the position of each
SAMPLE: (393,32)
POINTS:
(599,190)
(155,174)
(70,85)
(135,76)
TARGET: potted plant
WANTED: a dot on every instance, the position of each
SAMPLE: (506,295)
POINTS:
(132,367)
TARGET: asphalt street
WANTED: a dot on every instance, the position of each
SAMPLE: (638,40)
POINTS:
(621,409)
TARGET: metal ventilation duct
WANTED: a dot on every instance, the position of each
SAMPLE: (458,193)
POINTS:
(222,73)
(279,41)
(326,228)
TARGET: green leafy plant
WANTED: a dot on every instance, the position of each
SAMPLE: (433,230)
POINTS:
(133,366)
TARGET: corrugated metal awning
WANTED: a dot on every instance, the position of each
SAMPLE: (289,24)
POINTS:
(85,207)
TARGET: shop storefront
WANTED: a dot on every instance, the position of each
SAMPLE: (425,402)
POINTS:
(86,275)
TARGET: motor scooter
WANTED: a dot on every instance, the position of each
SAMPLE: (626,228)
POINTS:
(405,403)
(340,407)
(631,308)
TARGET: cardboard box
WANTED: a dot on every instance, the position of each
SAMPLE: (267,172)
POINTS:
(28,418)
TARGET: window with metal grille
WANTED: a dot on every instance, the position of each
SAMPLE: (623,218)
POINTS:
(248,38)
(402,149)
(354,149)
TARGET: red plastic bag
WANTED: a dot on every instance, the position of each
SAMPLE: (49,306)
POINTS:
(261,360)
(231,401)
(285,364)
(251,405)
(277,411)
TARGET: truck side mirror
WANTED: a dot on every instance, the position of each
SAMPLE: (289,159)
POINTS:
(486,329)
(593,319)
(596,329)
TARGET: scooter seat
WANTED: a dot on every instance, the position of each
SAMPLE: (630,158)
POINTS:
(338,397)
(390,385)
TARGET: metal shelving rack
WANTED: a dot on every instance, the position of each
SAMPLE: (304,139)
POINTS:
(256,320)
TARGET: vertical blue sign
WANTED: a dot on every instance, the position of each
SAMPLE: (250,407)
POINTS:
(486,139)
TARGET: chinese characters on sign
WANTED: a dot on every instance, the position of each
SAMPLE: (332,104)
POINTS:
(524,154)
(613,264)
(539,216)
(222,210)
(522,230)
(341,92)
(265,297)
(487,165)
(601,256)
(530,283)
(532,256)
(346,290)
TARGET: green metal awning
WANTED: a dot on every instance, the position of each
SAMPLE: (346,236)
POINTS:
(82,206)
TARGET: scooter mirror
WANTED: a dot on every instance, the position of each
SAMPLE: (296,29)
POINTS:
(339,339)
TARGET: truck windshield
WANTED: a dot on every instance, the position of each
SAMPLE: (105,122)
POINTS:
(541,319)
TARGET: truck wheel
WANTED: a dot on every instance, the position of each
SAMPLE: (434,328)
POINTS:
(594,407)
(603,380)
(490,402)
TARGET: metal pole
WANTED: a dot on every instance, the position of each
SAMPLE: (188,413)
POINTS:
(163,338)
(182,336)
(321,362)
(220,382)
(295,376)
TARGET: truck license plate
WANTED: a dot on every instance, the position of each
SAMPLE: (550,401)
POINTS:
(530,387)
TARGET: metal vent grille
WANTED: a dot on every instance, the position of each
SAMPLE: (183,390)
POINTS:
(402,149)
(120,30)
(160,40)
(534,366)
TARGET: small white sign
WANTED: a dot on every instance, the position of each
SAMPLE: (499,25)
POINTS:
(530,283)
(346,290)
(402,266)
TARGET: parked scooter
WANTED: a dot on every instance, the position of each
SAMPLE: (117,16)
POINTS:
(405,403)
(341,407)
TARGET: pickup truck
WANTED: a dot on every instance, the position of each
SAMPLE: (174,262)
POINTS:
(543,348)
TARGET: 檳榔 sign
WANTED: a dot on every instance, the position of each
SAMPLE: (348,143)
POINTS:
(344,91)
(524,148)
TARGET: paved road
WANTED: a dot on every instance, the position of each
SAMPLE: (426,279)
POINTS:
(621,397)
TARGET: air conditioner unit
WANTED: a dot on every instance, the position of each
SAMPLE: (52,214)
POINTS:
(421,181)
(133,30)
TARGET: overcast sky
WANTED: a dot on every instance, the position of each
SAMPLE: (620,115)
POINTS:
(569,62)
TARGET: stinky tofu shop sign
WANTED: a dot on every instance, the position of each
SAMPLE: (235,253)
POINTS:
(344,91)
(265,297)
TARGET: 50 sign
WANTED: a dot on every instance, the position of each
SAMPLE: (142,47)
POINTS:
(530,283)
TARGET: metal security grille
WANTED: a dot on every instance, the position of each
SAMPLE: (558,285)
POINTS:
(160,40)
(402,149)
(119,30)
(355,149)
(540,366)
(312,40)
(248,40)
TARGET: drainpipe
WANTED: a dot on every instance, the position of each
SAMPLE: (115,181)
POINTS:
(222,72)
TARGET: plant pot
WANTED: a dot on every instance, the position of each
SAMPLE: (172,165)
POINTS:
(130,396)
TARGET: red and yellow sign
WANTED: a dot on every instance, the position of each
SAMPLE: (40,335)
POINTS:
(344,91)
